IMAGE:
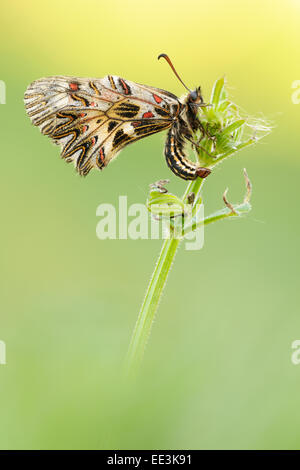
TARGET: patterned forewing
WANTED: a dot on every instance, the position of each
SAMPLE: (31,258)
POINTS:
(93,119)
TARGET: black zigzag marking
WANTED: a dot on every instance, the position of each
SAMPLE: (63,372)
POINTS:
(149,128)
(120,138)
(162,112)
(111,125)
(127,110)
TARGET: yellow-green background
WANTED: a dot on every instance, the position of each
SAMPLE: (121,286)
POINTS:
(217,371)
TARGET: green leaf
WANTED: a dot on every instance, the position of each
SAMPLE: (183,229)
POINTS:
(218,93)
(233,127)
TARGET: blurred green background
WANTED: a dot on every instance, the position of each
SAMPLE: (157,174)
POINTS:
(217,372)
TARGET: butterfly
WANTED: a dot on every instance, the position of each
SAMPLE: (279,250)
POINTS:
(93,119)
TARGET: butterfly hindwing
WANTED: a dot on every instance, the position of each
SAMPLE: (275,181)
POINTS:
(93,119)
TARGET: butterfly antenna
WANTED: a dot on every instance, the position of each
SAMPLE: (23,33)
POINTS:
(167,58)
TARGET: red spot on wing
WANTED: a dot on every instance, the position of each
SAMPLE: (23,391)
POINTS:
(93,141)
(137,123)
(73,86)
(158,99)
(93,103)
(82,114)
(148,114)
(85,128)
(125,87)
(101,153)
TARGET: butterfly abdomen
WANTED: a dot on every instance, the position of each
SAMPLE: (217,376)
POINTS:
(176,158)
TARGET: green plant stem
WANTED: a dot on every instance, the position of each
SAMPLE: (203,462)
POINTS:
(154,291)
(151,301)
(216,216)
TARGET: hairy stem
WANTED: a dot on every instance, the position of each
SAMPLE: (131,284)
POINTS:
(153,295)
(155,290)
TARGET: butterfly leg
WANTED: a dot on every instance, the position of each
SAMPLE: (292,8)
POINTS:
(185,132)
(178,162)
(196,144)
(205,133)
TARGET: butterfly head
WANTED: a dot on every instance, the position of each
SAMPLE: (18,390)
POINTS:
(195,97)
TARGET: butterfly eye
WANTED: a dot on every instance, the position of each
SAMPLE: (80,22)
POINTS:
(194,95)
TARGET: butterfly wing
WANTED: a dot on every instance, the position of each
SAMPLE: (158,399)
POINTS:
(93,119)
